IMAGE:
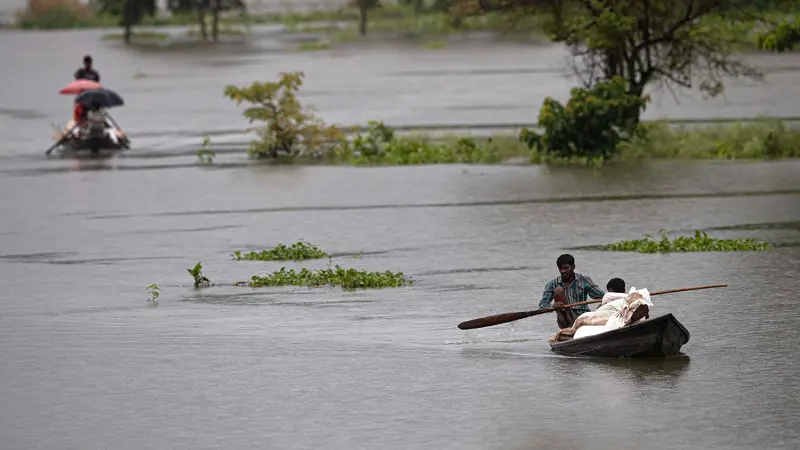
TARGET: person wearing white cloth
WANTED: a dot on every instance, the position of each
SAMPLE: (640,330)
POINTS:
(618,310)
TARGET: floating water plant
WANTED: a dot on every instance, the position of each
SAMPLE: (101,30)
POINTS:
(700,242)
(197,273)
(296,252)
(205,155)
(154,292)
(337,276)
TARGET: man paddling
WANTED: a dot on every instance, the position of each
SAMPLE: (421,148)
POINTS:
(570,287)
(87,72)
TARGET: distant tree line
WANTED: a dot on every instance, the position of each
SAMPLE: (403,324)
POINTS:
(131,12)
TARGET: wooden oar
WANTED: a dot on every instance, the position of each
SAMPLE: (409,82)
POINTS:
(498,319)
(63,138)
(125,136)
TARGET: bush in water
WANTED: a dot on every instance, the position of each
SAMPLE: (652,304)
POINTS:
(288,127)
(338,276)
(296,252)
(380,146)
(700,242)
(591,125)
(52,14)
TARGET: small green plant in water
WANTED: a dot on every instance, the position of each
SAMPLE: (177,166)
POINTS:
(379,145)
(154,292)
(700,242)
(205,154)
(197,274)
(296,252)
(336,276)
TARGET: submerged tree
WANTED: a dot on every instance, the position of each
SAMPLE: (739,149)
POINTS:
(130,13)
(686,43)
(364,6)
(202,8)
(288,126)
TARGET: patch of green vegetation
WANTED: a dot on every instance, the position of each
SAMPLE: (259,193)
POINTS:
(435,45)
(60,14)
(205,155)
(338,276)
(434,24)
(154,292)
(197,276)
(142,35)
(700,242)
(763,139)
(296,252)
(223,31)
(312,28)
(314,46)
(380,145)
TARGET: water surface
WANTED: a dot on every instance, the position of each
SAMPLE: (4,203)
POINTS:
(86,363)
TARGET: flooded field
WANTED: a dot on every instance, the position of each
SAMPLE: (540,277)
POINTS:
(85,362)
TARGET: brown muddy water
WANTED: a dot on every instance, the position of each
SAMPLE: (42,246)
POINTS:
(86,363)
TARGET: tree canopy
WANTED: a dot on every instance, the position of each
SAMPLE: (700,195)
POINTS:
(687,43)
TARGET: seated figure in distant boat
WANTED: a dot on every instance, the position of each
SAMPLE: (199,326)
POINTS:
(618,310)
(98,125)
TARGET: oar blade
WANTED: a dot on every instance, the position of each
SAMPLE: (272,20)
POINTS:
(494,320)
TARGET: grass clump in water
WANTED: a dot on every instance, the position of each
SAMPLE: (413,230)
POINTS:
(142,35)
(313,46)
(380,146)
(296,252)
(762,139)
(700,242)
(338,276)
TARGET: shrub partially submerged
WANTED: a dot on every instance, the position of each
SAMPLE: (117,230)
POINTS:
(591,125)
(53,14)
(338,276)
(700,242)
(295,252)
(288,127)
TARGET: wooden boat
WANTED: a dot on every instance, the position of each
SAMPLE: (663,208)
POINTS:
(660,336)
(94,143)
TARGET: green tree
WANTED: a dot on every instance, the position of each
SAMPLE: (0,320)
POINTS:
(130,12)
(677,43)
(591,125)
(289,127)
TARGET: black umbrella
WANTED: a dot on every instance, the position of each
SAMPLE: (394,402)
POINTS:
(104,98)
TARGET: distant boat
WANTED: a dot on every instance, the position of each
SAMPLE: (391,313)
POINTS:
(660,336)
(92,141)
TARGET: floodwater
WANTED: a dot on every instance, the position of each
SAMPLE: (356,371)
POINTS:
(86,363)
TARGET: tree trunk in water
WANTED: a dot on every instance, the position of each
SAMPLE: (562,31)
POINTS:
(202,22)
(363,24)
(215,20)
(128,16)
(418,4)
